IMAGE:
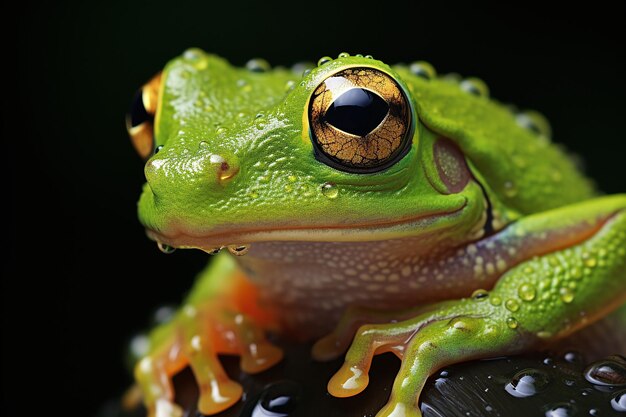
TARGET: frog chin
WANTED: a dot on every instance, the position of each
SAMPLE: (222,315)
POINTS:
(237,238)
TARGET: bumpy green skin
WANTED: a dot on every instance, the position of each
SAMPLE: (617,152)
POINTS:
(255,121)
(211,112)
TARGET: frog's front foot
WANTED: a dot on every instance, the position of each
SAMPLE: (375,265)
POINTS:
(448,332)
(195,338)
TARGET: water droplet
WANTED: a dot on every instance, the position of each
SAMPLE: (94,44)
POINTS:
(475,86)
(567,294)
(573,357)
(548,361)
(576,273)
(330,190)
(343,55)
(238,250)
(527,382)
(369,57)
(167,249)
(511,305)
(163,314)
(323,60)
(544,334)
(281,399)
(560,410)
(593,412)
(495,300)
(193,54)
(511,322)
(618,402)
(258,65)
(305,73)
(289,85)
(510,189)
(526,292)
(610,371)
(214,251)
(423,69)
(480,295)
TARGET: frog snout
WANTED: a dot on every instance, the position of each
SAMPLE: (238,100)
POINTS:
(211,170)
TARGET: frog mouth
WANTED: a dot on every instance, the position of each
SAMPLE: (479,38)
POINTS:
(232,238)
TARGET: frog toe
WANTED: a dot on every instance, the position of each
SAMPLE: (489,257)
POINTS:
(195,339)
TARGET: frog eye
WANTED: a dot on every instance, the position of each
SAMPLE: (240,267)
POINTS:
(140,118)
(360,120)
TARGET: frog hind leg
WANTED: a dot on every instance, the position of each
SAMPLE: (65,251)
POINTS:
(539,301)
(221,316)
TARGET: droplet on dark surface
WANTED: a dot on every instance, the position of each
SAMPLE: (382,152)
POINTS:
(279,399)
(357,111)
(560,410)
(527,382)
(618,402)
(573,357)
(608,371)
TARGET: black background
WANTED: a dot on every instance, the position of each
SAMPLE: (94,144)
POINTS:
(81,277)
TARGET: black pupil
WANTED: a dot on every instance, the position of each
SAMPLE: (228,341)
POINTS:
(138,113)
(357,111)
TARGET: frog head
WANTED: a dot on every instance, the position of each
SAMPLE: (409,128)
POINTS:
(351,150)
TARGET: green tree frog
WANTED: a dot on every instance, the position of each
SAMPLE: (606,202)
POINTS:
(379,208)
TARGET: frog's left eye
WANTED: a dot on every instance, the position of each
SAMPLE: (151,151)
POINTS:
(140,118)
(360,120)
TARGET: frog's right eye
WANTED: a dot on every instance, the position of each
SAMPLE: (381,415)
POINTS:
(140,118)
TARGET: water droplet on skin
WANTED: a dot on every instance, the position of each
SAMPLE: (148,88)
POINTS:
(610,371)
(323,60)
(510,189)
(239,250)
(567,294)
(576,273)
(480,295)
(618,402)
(289,85)
(423,69)
(343,55)
(369,57)
(495,301)
(527,382)
(330,190)
(526,292)
(193,54)
(511,322)
(215,250)
(167,249)
(258,65)
(511,305)
(544,335)
(593,412)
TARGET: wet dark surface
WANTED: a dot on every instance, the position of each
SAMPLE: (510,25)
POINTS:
(553,384)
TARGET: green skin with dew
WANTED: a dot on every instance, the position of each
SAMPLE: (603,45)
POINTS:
(477,238)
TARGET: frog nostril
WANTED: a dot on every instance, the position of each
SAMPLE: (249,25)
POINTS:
(225,170)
